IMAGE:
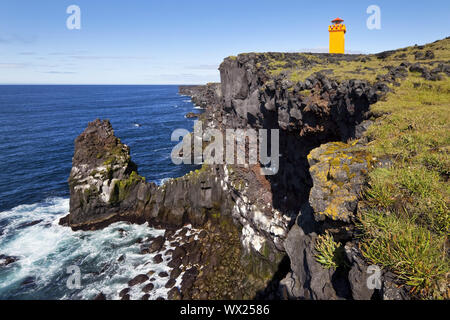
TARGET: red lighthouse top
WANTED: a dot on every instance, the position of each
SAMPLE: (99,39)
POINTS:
(337,21)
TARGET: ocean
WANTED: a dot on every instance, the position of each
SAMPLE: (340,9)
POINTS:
(38,126)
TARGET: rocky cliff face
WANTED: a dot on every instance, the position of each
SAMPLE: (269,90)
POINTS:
(268,226)
(101,178)
(105,187)
(202,96)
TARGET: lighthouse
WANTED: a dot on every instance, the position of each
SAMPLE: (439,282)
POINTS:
(337,36)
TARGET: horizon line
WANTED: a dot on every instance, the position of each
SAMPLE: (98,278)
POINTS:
(99,84)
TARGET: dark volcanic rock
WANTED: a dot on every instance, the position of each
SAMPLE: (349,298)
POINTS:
(29,282)
(201,96)
(103,181)
(175,263)
(174,294)
(155,246)
(100,296)
(420,55)
(149,287)
(175,273)
(105,188)
(170,283)
(192,115)
(188,279)
(179,252)
(391,290)
(138,280)
(7,260)
(358,274)
(158,259)
(124,292)
(309,280)
(28,224)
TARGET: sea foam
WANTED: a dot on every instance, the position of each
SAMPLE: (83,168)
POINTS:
(107,259)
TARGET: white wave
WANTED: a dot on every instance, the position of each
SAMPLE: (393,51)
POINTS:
(45,250)
(162,149)
(160,182)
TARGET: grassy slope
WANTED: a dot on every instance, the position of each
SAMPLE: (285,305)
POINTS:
(364,67)
(406,220)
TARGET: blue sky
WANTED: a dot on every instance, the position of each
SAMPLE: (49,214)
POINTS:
(180,41)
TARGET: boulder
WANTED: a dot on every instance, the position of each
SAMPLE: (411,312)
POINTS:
(149,287)
(7,260)
(308,280)
(158,259)
(100,297)
(174,294)
(138,280)
(124,292)
(391,290)
(175,273)
(170,283)
(358,275)
(338,172)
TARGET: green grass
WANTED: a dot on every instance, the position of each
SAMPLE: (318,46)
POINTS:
(329,253)
(413,252)
(416,137)
(363,67)
(406,222)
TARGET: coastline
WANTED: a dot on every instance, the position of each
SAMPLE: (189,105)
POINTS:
(294,235)
(20,224)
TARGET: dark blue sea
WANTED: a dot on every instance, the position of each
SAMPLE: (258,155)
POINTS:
(38,126)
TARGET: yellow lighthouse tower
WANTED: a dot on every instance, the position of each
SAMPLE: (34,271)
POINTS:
(337,36)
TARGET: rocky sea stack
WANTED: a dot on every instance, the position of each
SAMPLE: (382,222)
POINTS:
(294,235)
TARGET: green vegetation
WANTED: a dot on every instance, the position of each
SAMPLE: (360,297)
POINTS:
(329,253)
(405,223)
(196,174)
(115,155)
(344,67)
(122,188)
(414,253)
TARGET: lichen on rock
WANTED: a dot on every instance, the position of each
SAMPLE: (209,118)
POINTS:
(338,171)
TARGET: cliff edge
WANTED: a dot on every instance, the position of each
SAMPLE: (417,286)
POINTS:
(351,164)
